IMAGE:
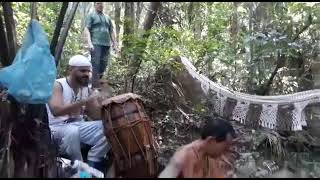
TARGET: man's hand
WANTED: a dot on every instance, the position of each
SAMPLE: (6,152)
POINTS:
(92,98)
(115,47)
(88,38)
(91,47)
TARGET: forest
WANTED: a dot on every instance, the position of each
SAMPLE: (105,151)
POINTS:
(254,48)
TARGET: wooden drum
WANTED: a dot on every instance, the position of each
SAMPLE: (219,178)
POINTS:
(128,129)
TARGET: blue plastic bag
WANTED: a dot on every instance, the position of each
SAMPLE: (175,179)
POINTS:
(29,79)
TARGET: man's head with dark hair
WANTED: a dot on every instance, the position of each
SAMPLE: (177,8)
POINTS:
(216,127)
(98,6)
(218,135)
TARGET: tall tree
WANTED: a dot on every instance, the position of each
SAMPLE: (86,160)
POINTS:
(138,14)
(197,24)
(234,24)
(190,12)
(129,20)
(58,28)
(65,31)
(314,117)
(34,10)
(25,134)
(4,53)
(147,25)
(117,14)
(265,88)
(128,30)
(10,29)
(149,19)
(251,46)
(234,29)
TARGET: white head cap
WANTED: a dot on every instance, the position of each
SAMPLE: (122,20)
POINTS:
(79,61)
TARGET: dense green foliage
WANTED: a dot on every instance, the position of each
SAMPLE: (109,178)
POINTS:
(235,44)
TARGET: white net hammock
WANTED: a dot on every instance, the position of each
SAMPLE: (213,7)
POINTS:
(283,112)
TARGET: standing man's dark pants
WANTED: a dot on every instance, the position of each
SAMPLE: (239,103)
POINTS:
(99,60)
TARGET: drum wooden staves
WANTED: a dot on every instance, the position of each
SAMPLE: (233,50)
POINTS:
(128,130)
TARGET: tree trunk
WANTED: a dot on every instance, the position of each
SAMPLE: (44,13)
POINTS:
(264,89)
(261,15)
(149,20)
(147,25)
(33,8)
(256,14)
(267,15)
(127,31)
(138,14)
(314,119)
(69,7)
(4,53)
(190,12)
(234,28)
(197,24)
(234,24)
(128,19)
(250,60)
(25,133)
(25,139)
(117,14)
(304,76)
(10,29)
(64,33)
(58,28)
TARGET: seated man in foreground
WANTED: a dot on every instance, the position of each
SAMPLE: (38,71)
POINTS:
(66,107)
(201,158)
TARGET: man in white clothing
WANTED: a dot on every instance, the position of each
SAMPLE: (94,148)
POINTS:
(66,107)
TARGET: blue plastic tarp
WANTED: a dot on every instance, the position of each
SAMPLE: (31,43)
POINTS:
(30,78)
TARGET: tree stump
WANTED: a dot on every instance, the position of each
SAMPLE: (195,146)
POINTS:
(25,140)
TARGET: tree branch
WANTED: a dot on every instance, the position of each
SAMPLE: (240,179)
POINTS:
(304,28)
(190,12)
(117,14)
(4,53)
(10,29)
(57,30)
(138,14)
(33,8)
(264,89)
(64,33)
(148,22)
(147,25)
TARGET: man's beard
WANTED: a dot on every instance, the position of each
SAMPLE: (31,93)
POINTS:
(83,81)
(99,9)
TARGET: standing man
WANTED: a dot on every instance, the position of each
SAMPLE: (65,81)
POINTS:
(100,36)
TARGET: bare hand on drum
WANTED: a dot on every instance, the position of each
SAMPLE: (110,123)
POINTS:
(93,97)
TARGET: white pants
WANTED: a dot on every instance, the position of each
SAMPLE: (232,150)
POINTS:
(70,136)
